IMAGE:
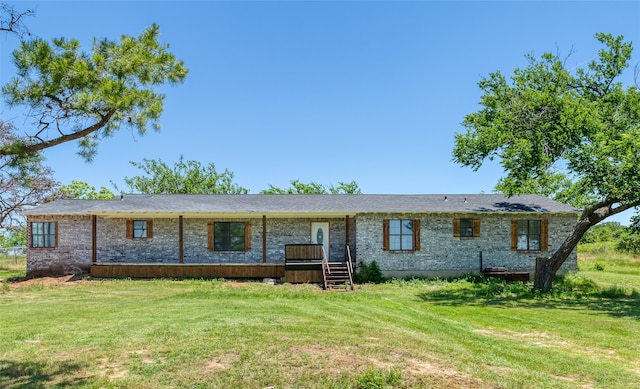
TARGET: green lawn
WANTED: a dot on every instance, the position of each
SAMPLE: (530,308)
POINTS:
(211,333)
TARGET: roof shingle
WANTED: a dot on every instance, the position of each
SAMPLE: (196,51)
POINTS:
(303,204)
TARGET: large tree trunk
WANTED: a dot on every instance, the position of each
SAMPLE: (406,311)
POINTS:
(547,267)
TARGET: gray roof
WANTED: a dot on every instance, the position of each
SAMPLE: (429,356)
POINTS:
(295,205)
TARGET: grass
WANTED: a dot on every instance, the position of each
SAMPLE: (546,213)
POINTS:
(12,266)
(434,334)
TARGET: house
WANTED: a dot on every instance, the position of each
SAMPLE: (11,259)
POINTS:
(246,235)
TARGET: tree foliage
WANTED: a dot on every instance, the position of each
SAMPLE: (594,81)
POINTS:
(76,95)
(604,232)
(298,187)
(82,190)
(14,237)
(185,177)
(573,133)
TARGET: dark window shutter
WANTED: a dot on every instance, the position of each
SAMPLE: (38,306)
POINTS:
(416,235)
(385,235)
(210,236)
(544,235)
(456,228)
(149,229)
(514,235)
(55,236)
(129,229)
(247,236)
(476,228)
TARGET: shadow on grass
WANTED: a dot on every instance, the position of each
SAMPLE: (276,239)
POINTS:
(567,294)
(23,375)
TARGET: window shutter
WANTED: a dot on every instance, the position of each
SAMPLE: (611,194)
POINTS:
(247,236)
(385,235)
(514,235)
(544,235)
(129,229)
(456,228)
(416,235)
(149,229)
(210,236)
(476,228)
(55,236)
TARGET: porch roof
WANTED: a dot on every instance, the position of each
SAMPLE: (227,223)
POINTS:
(295,205)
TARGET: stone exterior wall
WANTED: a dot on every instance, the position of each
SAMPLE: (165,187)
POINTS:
(443,255)
(440,255)
(74,251)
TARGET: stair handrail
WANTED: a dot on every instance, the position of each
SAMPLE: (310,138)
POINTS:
(349,265)
(325,267)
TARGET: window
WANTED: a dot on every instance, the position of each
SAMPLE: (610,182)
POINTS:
(44,234)
(229,236)
(139,229)
(466,228)
(529,235)
(401,235)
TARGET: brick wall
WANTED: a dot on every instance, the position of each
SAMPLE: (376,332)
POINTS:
(73,253)
(443,255)
(74,250)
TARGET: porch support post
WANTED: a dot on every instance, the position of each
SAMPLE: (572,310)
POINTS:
(264,238)
(348,235)
(94,239)
(180,239)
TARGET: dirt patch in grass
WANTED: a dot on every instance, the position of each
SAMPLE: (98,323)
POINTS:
(68,280)
(414,371)
(111,370)
(221,362)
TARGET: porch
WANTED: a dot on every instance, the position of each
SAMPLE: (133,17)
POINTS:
(187,270)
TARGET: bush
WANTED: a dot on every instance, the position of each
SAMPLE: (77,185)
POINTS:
(629,243)
(369,273)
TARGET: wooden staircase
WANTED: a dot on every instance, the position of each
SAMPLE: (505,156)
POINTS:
(338,275)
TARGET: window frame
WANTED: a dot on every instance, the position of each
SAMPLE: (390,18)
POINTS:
(386,235)
(131,229)
(44,235)
(543,235)
(211,236)
(457,227)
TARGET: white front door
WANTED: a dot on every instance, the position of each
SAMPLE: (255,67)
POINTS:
(320,235)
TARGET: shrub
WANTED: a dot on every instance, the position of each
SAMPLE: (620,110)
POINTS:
(629,243)
(369,273)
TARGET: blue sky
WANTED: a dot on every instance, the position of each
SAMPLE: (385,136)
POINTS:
(325,91)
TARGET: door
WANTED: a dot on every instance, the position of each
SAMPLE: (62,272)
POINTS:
(320,235)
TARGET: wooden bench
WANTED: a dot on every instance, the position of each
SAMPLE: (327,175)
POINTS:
(505,274)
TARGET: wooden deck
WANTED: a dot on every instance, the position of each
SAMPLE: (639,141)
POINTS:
(303,263)
(195,270)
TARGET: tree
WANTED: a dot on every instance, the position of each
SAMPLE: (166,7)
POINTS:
(298,187)
(185,177)
(82,190)
(11,21)
(579,125)
(76,95)
(14,237)
(22,185)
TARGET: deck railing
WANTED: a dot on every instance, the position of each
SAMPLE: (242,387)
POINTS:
(349,264)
